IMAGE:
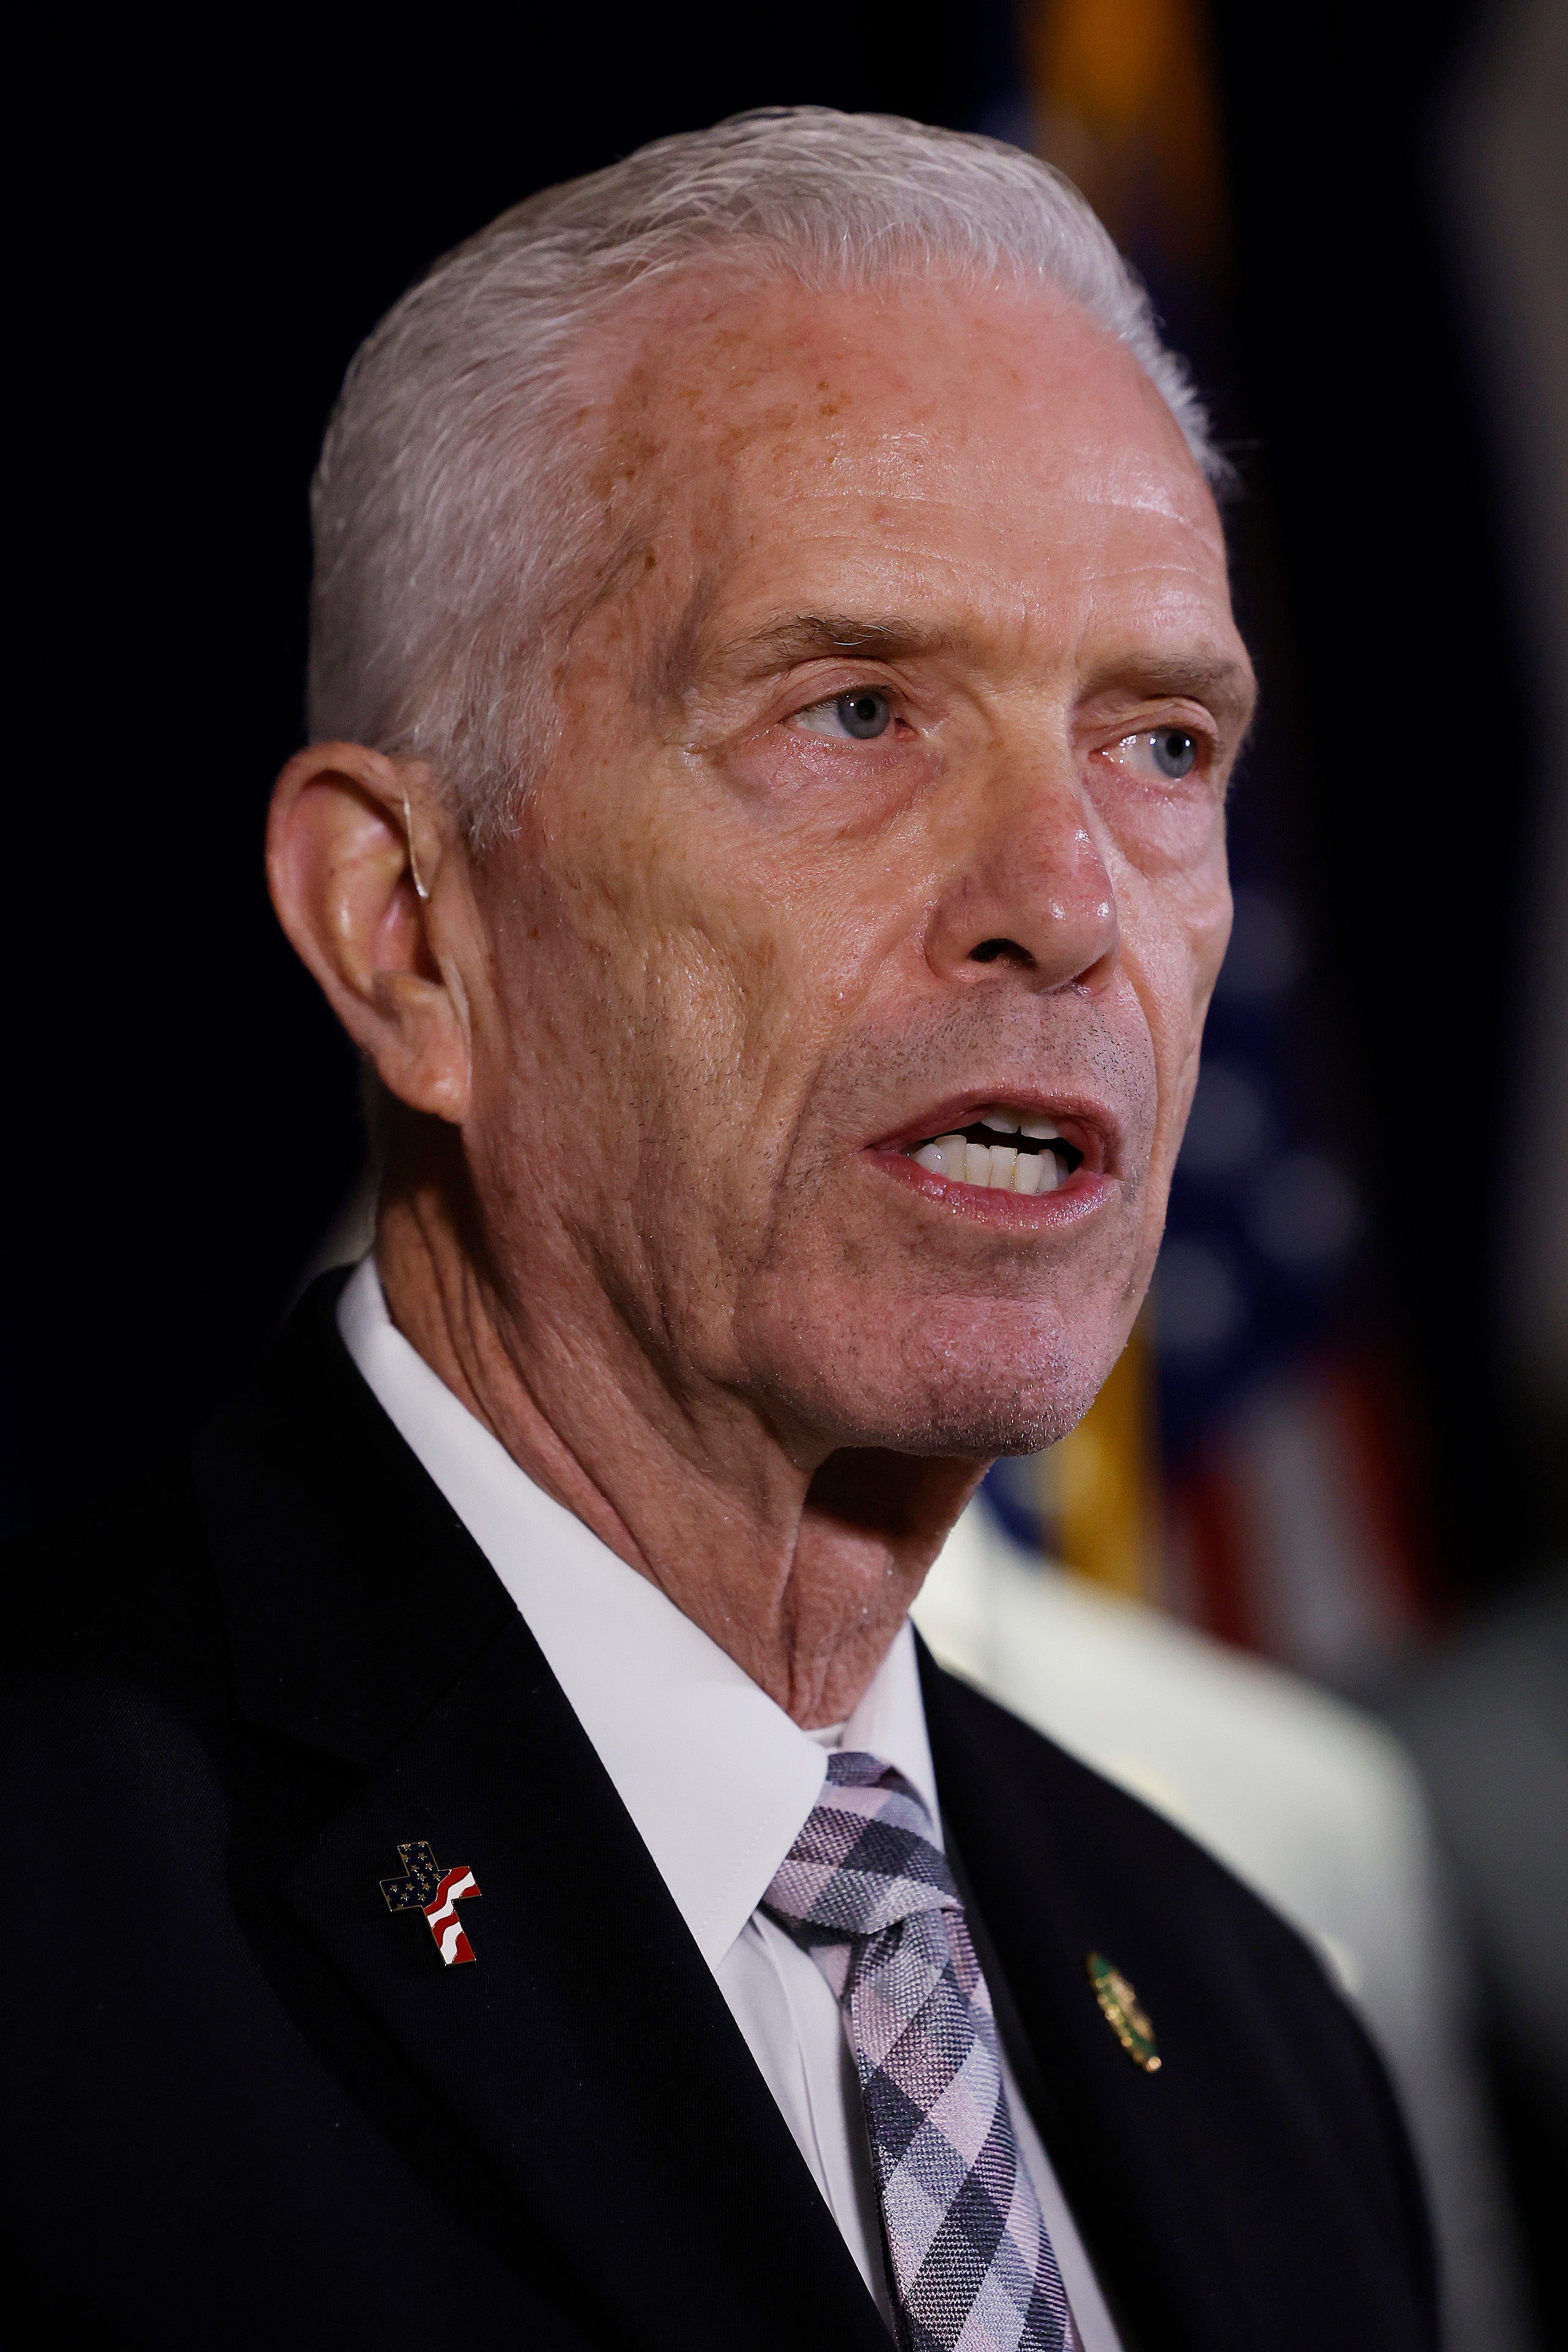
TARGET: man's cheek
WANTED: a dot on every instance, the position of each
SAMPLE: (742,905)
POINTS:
(710,1001)
(1165,836)
(1156,955)
(789,967)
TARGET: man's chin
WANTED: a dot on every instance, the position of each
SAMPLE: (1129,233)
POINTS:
(960,1375)
(970,1411)
(981,1429)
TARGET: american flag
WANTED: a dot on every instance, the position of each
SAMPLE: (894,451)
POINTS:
(437,1894)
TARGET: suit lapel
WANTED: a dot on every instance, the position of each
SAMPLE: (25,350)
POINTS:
(1011,1879)
(587,2055)
(1205,2191)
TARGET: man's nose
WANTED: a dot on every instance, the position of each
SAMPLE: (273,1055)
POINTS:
(1026,889)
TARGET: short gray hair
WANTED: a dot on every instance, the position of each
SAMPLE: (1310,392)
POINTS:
(452,521)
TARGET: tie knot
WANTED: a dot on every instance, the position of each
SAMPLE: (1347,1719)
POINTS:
(865,1859)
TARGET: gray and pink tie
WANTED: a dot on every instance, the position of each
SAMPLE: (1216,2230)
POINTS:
(866,1890)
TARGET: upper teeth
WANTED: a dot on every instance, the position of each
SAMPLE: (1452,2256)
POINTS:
(1002,1166)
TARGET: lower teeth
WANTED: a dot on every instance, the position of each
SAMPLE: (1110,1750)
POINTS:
(1001,1166)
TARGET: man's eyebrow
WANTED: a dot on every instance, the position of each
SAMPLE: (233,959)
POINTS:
(785,641)
(1223,685)
(814,637)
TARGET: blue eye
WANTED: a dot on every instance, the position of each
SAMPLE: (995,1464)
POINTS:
(1174,751)
(863,714)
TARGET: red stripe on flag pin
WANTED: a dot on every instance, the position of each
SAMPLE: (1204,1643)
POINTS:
(445,1924)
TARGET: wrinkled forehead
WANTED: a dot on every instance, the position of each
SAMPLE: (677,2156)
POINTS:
(721,371)
(744,425)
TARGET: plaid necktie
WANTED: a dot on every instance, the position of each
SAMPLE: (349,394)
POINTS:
(867,1892)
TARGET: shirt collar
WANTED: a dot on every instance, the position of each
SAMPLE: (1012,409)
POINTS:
(717,1777)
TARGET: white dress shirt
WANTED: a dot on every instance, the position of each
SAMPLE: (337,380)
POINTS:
(717,1777)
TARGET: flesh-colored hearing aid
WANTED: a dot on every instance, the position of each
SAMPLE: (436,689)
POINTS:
(420,890)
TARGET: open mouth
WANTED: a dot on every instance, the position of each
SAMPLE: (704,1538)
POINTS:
(1002,1150)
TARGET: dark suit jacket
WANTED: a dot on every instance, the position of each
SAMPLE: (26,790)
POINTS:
(246,2104)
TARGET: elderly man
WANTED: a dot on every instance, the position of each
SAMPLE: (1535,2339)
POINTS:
(499,1868)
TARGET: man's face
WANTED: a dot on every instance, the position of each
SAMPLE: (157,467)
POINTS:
(889,794)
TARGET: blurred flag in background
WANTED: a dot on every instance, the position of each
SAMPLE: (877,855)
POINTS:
(1251,1463)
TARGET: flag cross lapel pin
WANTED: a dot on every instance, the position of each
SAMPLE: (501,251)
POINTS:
(435,1891)
(1119,2007)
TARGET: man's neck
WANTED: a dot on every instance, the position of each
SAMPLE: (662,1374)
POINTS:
(801,1565)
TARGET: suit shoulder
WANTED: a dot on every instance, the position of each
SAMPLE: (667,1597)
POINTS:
(1016,1792)
(1030,1775)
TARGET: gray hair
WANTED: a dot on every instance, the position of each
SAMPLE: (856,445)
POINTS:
(453,526)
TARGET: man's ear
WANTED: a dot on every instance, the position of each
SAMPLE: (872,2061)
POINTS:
(364,874)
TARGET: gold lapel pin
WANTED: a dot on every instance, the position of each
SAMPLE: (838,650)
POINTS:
(1119,2007)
